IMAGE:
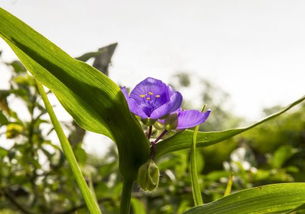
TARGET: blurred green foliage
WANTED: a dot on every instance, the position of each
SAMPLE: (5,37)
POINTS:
(35,178)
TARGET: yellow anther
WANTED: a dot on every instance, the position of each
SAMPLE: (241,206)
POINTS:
(150,93)
(157,96)
(148,98)
(142,95)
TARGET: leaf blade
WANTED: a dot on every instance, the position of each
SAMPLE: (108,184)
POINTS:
(183,140)
(94,101)
(259,200)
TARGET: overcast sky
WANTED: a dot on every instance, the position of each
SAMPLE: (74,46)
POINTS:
(253,49)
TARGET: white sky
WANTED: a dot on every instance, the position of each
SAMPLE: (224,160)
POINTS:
(253,49)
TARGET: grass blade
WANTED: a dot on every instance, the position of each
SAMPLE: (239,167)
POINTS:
(183,140)
(274,198)
(87,194)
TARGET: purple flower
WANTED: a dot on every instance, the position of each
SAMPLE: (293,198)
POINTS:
(190,118)
(152,99)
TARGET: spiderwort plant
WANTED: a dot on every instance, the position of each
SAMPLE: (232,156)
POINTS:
(106,112)
(155,102)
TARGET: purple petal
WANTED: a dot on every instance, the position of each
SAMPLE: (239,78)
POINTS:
(125,92)
(151,88)
(191,118)
(132,104)
(171,106)
(136,109)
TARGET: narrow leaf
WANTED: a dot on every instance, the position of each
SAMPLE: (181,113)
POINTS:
(94,101)
(275,198)
(183,140)
(67,149)
(196,190)
(3,119)
(137,206)
(229,185)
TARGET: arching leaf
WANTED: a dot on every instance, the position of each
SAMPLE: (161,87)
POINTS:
(183,140)
(94,101)
(275,198)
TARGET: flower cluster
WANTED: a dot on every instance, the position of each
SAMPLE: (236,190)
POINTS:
(154,100)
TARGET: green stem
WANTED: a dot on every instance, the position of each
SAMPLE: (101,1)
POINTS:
(229,186)
(193,169)
(87,194)
(126,196)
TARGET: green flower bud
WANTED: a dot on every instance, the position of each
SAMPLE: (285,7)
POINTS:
(148,121)
(148,176)
(158,126)
(171,122)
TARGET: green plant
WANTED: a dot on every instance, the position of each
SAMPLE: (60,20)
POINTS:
(97,104)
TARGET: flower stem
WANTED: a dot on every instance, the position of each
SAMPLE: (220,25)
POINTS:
(193,169)
(87,194)
(159,137)
(126,196)
(149,132)
(153,144)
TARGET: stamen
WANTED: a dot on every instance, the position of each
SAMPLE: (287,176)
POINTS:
(150,93)
(142,95)
(148,98)
(157,96)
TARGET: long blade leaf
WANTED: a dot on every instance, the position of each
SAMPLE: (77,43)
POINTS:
(67,149)
(275,198)
(183,140)
(94,101)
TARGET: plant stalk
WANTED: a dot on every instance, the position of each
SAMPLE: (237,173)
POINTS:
(229,185)
(196,191)
(193,170)
(126,196)
(66,147)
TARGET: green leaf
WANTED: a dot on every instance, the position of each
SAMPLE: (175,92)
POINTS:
(275,198)
(137,206)
(3,119)
(183,140)
(3,152)
(94,101)
(282,154)
(301,207)
(17,66)
(67,149)
(196,190)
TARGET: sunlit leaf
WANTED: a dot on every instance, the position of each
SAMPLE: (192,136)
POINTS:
(137,206)
(275,198)
(94,101)
(183,140)
(3,152)
(3,119)
(282,154)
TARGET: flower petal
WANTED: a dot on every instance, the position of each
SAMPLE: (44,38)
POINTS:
(151,87)
(136,109)
(125,92)
(191,118)
(169,107)
(132,104)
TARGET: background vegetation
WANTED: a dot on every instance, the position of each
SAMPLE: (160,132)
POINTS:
(35,177)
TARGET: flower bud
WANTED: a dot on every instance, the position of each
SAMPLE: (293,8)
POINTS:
(148,121)
(148,176)
(171,121)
